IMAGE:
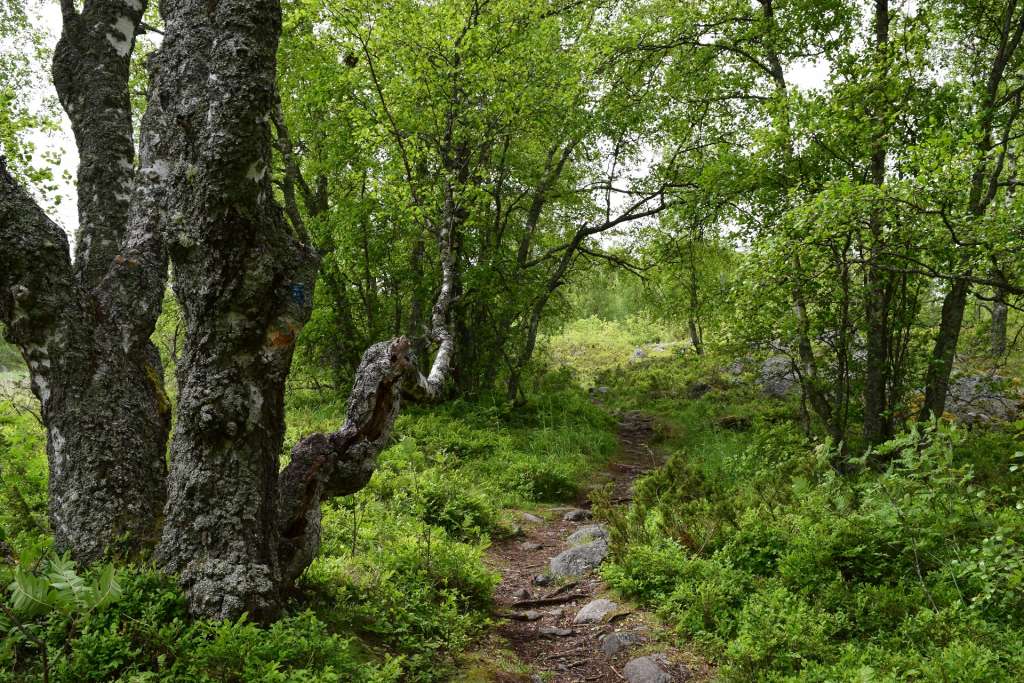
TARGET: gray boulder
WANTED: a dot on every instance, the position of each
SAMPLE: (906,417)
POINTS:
(579,560)
(647,669)
(576,516)
(695,390)
(595,611)
(531,518)
(586,534)
(778,377)
(978,399)
(614,643)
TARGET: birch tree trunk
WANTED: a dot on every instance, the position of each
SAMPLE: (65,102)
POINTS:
(245,289)
(83,328)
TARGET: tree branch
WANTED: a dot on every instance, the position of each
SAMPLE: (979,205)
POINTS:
(36,284)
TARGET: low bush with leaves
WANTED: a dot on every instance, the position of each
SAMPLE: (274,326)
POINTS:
(908,567)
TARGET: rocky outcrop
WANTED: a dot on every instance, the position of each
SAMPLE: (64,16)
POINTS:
(981,399)
(778,377)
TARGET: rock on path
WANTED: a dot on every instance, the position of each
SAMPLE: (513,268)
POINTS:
(580,559)
(647,670)
(614,643)
(576,516)
(595,611)
(586,534)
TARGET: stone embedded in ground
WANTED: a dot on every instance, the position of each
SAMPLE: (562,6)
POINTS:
(532,615)
(614,643)
(531,518)
(647,669)
(576,516)
(542,580)
(521,594)
(530,545)
(586,534)
(556,613)
(579,560)
(695,390)
(553,632)
(595,611)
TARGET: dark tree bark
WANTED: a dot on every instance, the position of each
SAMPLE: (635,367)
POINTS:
(90,73)
(245,289)
(878,425)
(1000,312)
(944,352)
(202,197)
(84,328)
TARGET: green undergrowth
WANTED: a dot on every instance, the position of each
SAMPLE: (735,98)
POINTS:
(398,591)
(907,567)
(590,346)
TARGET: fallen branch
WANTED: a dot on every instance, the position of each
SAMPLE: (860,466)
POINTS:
(542,602)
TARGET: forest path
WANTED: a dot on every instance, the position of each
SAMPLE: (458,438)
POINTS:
(540,629)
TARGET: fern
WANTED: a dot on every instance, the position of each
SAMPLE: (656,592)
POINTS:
(57,590)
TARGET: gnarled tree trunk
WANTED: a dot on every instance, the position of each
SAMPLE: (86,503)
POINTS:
(83,328)
(245,289)
(202,198)
(327,466)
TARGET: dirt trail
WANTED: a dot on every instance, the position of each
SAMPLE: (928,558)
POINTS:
(539,629)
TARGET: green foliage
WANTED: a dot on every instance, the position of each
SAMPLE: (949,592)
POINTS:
(398,591)
(59,588)
(22,475)
(908,567)
(25,116)
(131,625)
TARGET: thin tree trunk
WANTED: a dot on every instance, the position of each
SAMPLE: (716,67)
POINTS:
(1000,312)
(695,337)
(877,413)
(984,185)
(940,366)
(326,466)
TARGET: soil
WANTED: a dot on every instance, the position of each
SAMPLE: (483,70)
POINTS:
(551,647)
